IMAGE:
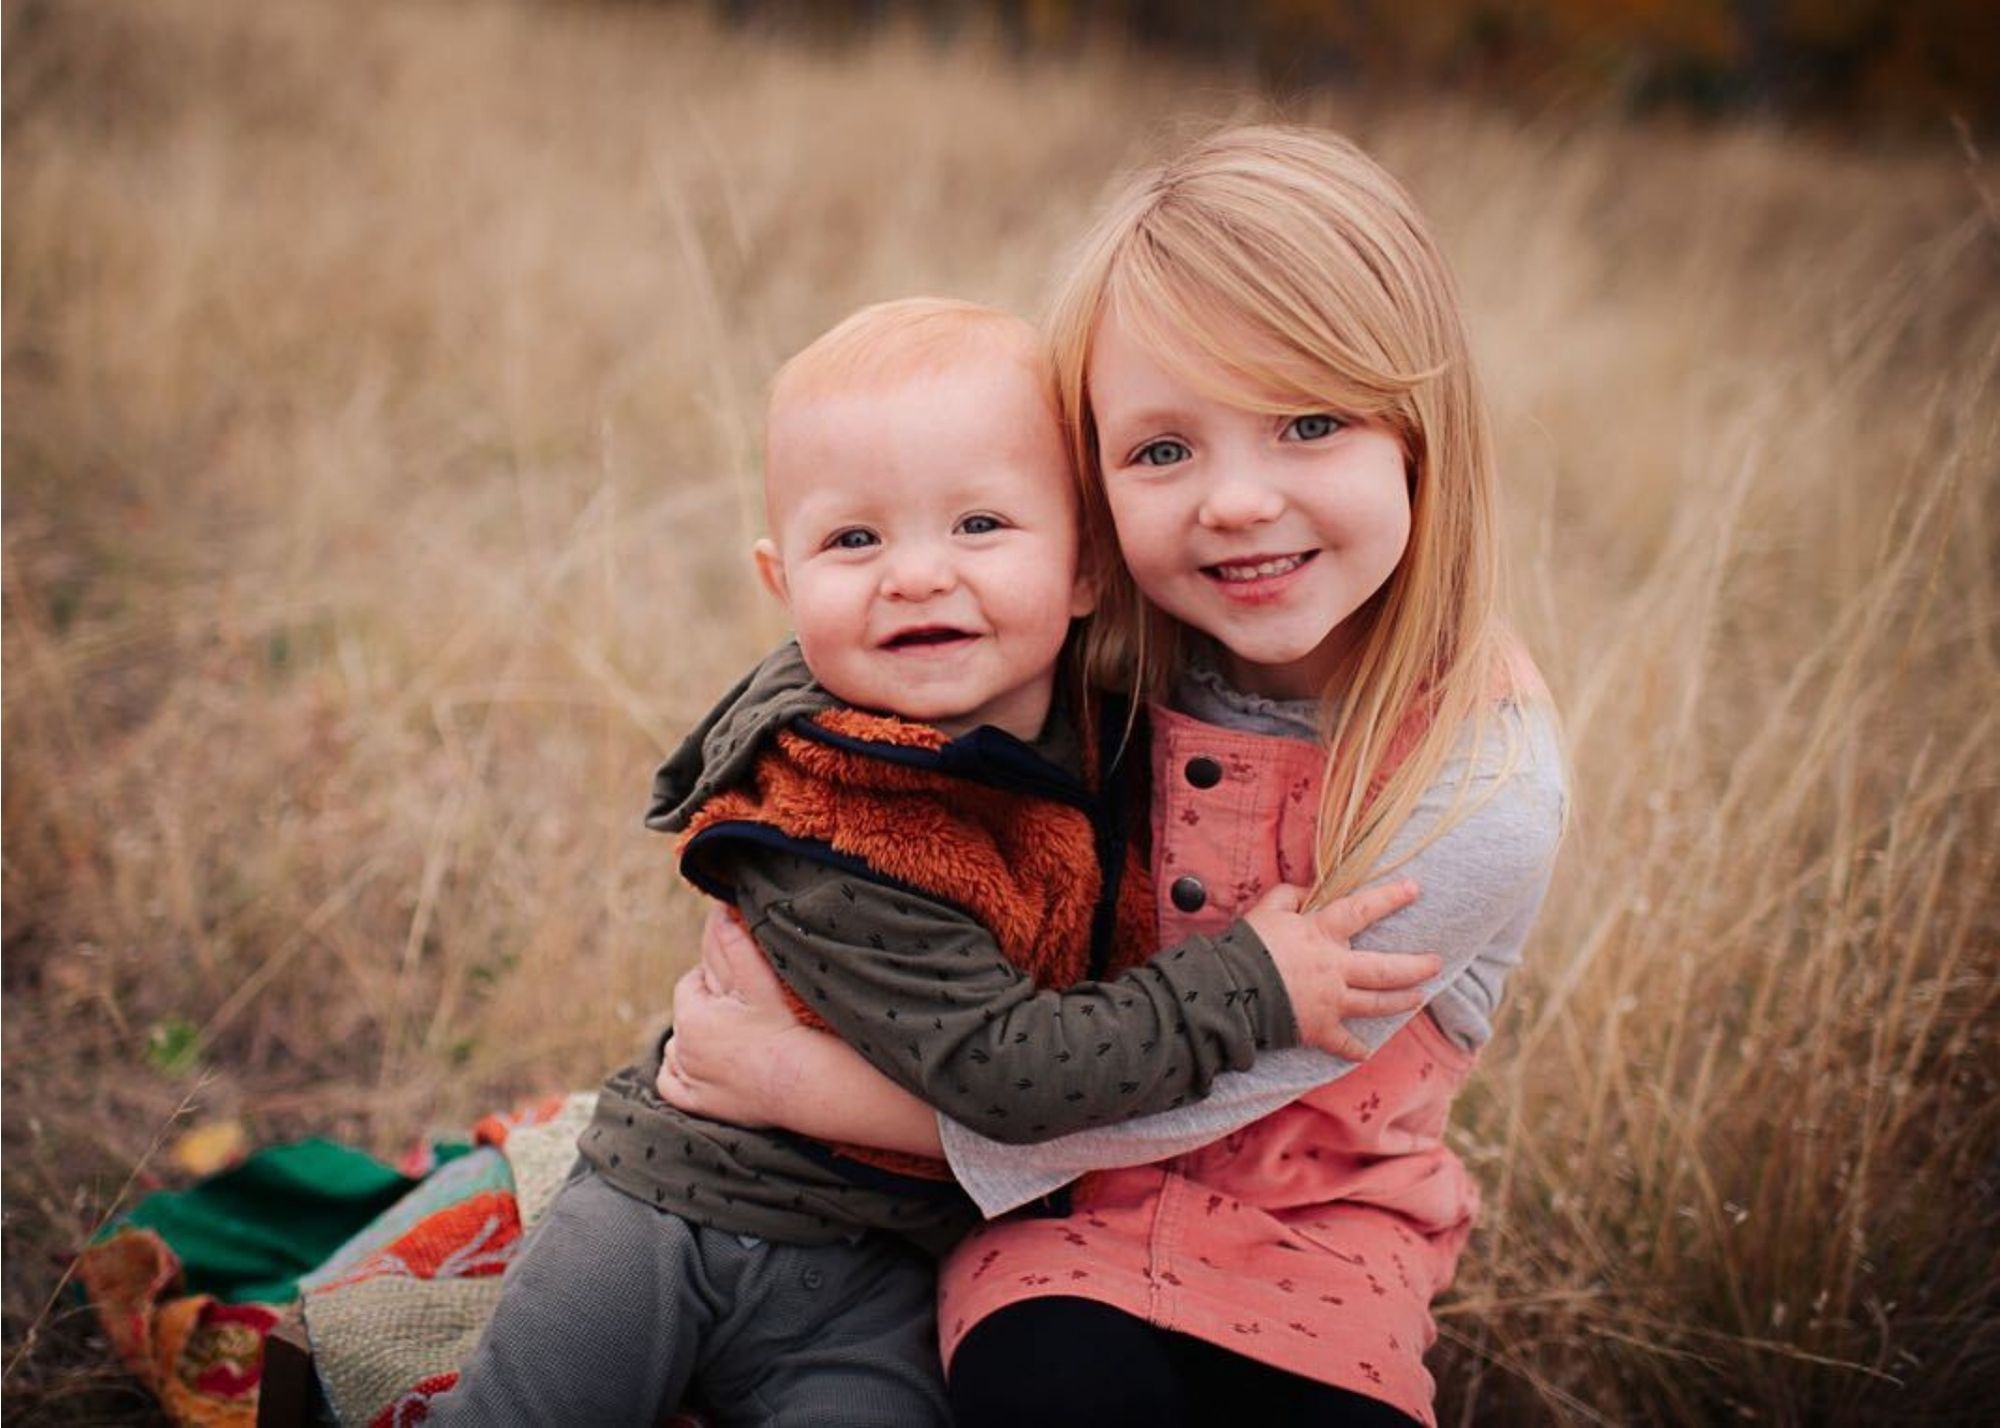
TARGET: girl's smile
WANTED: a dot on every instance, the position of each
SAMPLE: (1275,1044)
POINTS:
(1259,579)
(1266,531)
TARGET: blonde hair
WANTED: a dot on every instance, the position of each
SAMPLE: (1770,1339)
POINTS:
(889,342)
(1283,270)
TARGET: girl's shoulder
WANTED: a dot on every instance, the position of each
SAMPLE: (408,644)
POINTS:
(1506,776)
(1514,677)
(1489,822)
(1514,742)
(1505,764)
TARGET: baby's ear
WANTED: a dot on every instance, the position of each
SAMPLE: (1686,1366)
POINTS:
(1083,592)
(1092,580)
(771,570)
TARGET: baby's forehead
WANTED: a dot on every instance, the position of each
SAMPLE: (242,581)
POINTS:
(988,395)
(1008,363)
(985,431)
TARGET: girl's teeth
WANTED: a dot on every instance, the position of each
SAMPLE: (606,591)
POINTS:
(1262,570)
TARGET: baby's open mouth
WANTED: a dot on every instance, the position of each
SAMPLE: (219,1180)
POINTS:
(1266,567)
(927,636)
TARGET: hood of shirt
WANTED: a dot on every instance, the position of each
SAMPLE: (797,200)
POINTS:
(720,750)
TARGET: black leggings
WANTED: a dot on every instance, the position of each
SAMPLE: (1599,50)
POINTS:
(1056,1361)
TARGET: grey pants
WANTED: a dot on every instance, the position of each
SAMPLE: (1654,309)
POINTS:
(616,1312)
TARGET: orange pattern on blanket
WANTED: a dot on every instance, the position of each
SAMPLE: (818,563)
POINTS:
(469,1240)
(202,1359)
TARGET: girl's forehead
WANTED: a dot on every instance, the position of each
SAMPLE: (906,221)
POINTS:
(1221,356)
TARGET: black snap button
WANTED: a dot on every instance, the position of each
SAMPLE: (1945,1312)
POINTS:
(1188,894)
(1203,772)
(812,1279)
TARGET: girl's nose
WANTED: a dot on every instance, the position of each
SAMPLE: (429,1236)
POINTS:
(918,573)
(1240,499)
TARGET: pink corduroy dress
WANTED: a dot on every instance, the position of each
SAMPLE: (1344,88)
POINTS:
(1314,1239)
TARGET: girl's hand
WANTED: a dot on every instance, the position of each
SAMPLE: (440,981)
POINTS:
(731,1057)
(1326,977)
(738,1055)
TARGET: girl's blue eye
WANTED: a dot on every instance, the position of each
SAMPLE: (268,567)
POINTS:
(979,525)
(854,538)
(1313,426)
(1164,452)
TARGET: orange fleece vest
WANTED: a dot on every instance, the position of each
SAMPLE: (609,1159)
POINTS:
(1024,864)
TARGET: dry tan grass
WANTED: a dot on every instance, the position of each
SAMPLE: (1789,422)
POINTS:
(381,384)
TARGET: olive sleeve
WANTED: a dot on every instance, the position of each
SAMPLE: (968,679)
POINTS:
(922,991)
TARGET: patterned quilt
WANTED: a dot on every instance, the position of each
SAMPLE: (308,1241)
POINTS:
(389,1314)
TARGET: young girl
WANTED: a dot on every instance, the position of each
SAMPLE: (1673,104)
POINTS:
(1273,407)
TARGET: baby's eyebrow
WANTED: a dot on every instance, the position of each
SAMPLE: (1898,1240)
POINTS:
(826,511)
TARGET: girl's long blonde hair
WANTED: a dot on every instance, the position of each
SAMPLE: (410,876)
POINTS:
(1284,270)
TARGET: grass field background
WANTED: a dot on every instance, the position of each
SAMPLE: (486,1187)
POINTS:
(381,396)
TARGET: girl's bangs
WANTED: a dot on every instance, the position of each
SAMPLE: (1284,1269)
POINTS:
(1232,339)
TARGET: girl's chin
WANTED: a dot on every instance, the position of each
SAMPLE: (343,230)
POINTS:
(1279,672)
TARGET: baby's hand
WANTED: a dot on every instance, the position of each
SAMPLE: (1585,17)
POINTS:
(1326,977)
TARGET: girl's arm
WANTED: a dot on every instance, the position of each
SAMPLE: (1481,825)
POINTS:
(1483,880)
(738,1054)
(923,993)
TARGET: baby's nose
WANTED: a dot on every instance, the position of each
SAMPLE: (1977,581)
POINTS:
(917,573)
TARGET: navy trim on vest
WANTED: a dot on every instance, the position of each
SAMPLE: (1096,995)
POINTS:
(986,755)
(870,1177)
(1110,818)
(765,835)
(762,835)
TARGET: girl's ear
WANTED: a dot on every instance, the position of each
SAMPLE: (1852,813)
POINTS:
(771,570)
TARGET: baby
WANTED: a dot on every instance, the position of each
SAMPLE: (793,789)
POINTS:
(902,810)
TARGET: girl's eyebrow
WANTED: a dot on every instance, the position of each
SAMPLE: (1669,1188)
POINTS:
(1144,417)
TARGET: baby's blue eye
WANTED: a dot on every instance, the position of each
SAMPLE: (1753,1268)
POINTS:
(1313,426)
(1164,452)
(854,538)
(979,525)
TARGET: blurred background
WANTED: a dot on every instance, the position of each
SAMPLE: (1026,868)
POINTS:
(382,386)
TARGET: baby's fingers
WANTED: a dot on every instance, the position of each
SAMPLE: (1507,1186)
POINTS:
(1344,917)
(734,963)
(691,987)
(1388,971)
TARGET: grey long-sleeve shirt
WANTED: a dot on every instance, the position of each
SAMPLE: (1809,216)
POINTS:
(1480,883)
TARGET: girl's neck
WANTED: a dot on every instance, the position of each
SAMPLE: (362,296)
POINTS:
(1318,675)
(1202,691)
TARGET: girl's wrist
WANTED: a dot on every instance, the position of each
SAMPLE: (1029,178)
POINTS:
(782,1069)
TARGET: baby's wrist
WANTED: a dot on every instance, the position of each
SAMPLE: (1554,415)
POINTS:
(1273,1010)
